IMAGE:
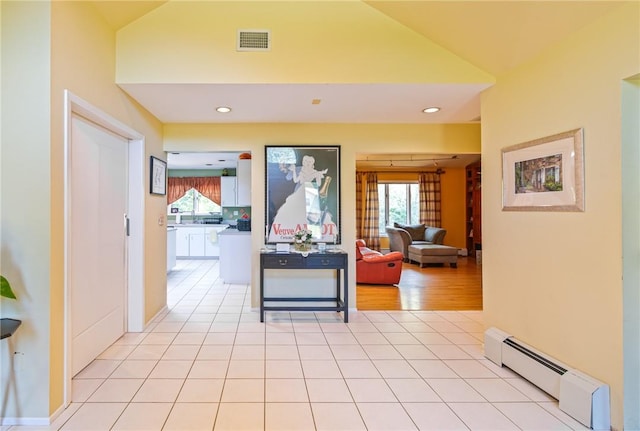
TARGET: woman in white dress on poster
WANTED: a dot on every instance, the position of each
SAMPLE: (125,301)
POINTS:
(302,207)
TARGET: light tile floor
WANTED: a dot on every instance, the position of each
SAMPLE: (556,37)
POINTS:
(209,364)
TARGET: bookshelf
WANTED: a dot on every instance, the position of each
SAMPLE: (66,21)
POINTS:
(473,196)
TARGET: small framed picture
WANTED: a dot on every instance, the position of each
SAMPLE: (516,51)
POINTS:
(158,179)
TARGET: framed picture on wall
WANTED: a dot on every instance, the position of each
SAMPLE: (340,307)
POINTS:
(546,174)
(158,178)
(302,193)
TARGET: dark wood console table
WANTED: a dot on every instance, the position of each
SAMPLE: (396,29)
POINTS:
(313,261)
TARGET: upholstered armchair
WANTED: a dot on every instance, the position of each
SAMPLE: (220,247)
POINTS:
(373,267)
(402,236)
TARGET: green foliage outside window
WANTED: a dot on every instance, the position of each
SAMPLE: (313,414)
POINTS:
(194,201)
(398,203)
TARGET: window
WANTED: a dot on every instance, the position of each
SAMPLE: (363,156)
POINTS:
(194,202)
(399,203)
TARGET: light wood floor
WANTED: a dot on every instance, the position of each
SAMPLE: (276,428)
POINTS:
(430,288)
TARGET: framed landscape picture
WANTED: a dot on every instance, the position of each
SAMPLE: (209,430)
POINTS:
(302,193)
(546,174)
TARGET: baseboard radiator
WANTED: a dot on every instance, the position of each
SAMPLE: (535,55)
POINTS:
(580,396)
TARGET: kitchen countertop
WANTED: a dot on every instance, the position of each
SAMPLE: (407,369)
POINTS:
(224,225)
(234,232)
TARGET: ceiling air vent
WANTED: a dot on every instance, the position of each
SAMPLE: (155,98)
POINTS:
(254,40)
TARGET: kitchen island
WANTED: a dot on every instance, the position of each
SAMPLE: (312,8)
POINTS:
(235,256)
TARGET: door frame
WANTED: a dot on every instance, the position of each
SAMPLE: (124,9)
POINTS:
(134,302)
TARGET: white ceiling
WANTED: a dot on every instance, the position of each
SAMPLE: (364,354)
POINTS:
(292,103)
(192,160)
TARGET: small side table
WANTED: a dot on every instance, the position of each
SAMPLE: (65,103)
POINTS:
(8,327)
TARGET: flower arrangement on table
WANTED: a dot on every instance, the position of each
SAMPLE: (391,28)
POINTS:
(302,240)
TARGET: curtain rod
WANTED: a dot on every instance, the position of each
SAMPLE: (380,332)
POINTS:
(402,171)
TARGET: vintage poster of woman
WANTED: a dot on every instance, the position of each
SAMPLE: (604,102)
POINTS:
(302,192)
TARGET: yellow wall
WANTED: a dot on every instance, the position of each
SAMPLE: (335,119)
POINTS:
(453,207)
(554,280)
(184,42)
(83,61)
(46,48)
(353,139)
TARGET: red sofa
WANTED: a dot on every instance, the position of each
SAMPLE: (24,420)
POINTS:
(373,267)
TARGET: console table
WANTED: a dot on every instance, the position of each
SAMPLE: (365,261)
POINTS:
(313,261)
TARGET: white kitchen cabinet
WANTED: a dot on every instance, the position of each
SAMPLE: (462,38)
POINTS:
(196,244)
(228,191)
(196,241)
(236,191)
(182,242)
(243,183)
(171,247)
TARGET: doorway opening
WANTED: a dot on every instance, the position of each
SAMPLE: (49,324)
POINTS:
(429,288)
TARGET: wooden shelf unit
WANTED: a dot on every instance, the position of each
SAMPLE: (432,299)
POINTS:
(473,198)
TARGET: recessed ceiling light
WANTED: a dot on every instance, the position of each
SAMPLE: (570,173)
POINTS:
(223,109)
(431,110)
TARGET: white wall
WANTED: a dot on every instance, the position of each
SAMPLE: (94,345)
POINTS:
(554,280)
(25,201)
(631,249)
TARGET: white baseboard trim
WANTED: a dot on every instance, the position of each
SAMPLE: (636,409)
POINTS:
(56,414)
(62,414)
(34,422)
(164,309)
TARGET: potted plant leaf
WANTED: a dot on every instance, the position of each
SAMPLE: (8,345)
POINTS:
(7,326)
(5,288)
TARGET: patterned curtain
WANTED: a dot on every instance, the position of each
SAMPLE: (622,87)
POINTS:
(176,188)
(207,186)
(370,231)
(429,186)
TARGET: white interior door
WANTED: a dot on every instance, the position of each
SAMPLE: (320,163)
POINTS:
(97,248)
